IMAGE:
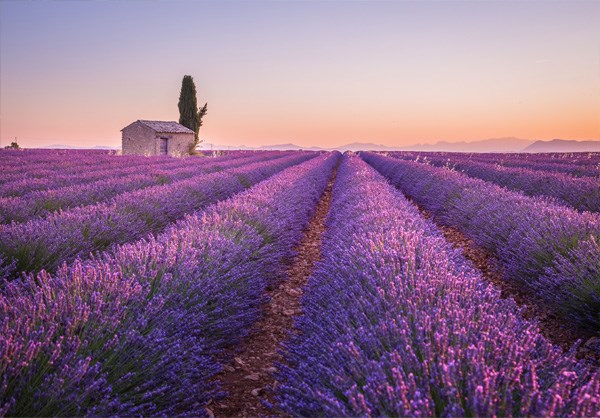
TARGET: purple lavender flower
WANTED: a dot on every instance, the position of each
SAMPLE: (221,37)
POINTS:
(137,330)
(397,323)
(45,243)
(533,239)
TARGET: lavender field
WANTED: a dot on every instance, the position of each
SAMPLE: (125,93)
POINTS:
(298,283)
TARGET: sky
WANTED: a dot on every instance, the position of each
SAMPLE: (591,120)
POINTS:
(313,73)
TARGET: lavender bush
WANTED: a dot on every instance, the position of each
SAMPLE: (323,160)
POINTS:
(581,164)
(40,203)
(45,177)
(396,323)
(135,331)
(70,170)
(60,237)
(534,240)
(581,193)
(31,159)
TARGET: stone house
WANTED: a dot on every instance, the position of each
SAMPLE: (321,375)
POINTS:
(153,137)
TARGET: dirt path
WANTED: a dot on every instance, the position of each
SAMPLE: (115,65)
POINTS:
(249,378)
(554,328)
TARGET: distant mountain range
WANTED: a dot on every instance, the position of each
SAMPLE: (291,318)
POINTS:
(488,145)
(507,144)
(562,145)
(356,146)
(62,146)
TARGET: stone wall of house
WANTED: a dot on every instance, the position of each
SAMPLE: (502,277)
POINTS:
(179,144)
(139,139)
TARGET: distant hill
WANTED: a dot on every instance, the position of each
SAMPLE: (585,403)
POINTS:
(288,147)
(366,146)
(487,145)
(207,146)
(355,146)
(563,145)
(62,146)
(506,144)
(276,147)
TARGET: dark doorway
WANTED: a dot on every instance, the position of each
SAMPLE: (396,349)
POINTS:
(164,146)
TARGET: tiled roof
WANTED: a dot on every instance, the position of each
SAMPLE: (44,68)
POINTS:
(166,126)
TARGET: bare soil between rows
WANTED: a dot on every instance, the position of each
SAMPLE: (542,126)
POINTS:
(249,379)
(555,328)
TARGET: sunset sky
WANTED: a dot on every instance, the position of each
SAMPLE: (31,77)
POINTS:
(321,73)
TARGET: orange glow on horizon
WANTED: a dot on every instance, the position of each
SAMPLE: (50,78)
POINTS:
(309,73)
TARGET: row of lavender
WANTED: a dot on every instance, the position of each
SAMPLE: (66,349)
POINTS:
(50,152)
(581,163)
(396,323)
(24,158)
(46,177)
(33,166)
(35,163)
(575,164)
(140,329)
(580,193)
(45,243)
(114,182)
(587,165)
(551,249)
(23,183)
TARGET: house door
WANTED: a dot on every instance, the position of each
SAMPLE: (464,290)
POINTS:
(164,146)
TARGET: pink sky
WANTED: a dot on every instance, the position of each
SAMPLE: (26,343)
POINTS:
(311,73)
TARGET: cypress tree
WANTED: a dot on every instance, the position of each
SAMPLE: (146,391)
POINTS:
(201,112)
(188,105)
(189,114)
